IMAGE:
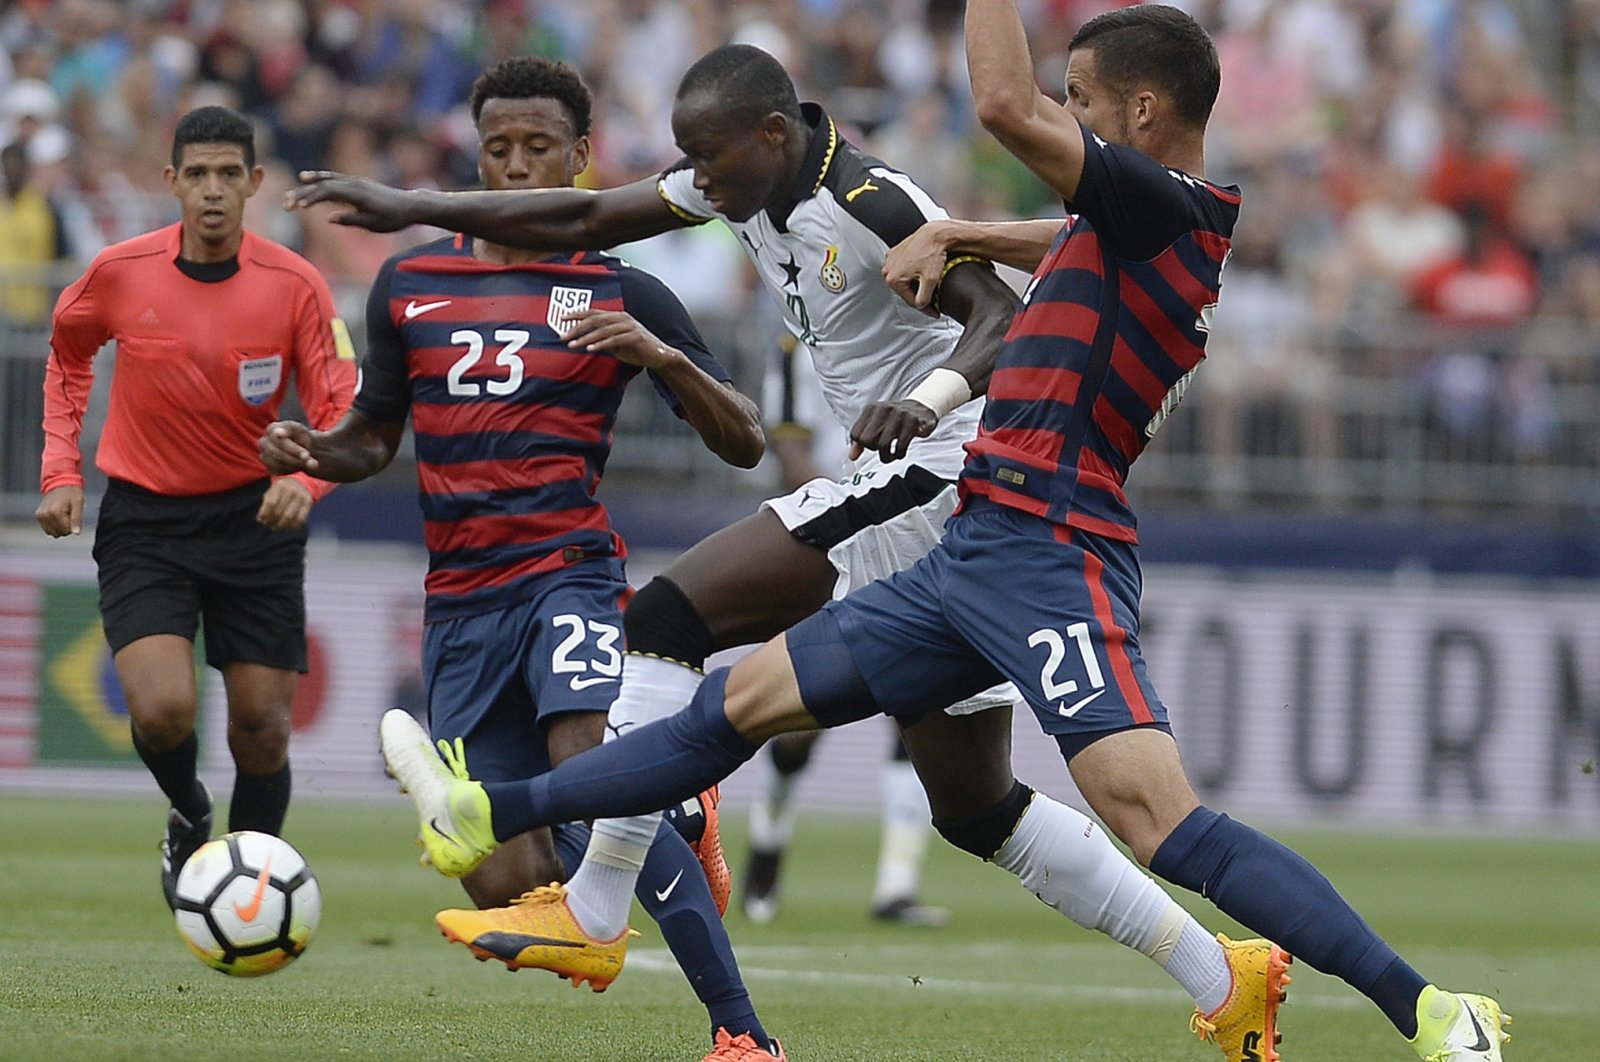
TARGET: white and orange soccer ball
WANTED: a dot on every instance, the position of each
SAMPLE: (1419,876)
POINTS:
(247,903)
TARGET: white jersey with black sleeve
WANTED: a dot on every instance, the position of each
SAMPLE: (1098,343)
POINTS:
(822,256)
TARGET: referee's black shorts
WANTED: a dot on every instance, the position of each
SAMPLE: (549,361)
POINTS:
(167,562)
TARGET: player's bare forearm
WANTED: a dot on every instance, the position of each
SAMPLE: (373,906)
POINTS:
(915,267)
(1030,125)
(546,219)
(985,305)
(355,449)
(726,421)
(1019,244)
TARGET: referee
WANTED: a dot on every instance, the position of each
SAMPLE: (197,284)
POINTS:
(209,322)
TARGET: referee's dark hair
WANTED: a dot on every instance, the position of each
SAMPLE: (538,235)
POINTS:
(214,125)
(531,78)
(1156,44)
(745,80)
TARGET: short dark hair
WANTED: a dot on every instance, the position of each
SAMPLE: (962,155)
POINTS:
(214,125)
(1155,43)
(531,78)
(746,81)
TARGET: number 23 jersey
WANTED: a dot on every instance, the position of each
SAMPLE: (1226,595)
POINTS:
(512,426)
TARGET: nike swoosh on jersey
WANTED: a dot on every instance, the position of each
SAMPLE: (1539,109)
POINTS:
(416,309)
(1074,709)
(673,884)
(578,683)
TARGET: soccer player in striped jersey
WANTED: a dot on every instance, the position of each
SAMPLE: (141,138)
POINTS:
(817,218)
(512,366)
(1037,577)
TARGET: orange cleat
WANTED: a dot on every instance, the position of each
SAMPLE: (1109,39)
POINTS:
(1245,1027)
(709,850)
(742,1048)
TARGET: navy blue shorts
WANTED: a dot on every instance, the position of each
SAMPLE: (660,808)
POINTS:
(496,678)
(1009,595)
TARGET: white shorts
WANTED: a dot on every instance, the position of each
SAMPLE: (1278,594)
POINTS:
(879,518)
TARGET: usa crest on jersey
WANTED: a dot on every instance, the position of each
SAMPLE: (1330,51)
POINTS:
(259,378)
(564,303)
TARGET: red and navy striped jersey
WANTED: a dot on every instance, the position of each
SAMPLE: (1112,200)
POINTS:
(513,427)
(1112,329)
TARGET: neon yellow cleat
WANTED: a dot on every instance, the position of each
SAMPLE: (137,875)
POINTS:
(454,810)
(539,932)
(1245,1027)
(1459,1027)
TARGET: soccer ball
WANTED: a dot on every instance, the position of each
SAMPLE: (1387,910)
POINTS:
(247,903)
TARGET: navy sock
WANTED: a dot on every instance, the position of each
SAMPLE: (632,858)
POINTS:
(260,801)
(1261,884)
(572,841)
(646,769)
(673,891)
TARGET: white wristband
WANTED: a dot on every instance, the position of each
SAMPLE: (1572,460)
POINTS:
(941,391)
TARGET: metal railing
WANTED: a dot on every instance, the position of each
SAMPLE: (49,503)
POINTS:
(1390,414)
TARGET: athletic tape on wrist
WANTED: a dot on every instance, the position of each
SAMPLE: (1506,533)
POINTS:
(942,390)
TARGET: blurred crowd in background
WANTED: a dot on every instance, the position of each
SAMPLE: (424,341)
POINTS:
(1415,284)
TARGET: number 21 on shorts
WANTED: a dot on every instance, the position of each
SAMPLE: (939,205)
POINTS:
(1055,687)
(605,661)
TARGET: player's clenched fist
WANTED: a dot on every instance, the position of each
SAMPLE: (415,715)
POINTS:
(60,512)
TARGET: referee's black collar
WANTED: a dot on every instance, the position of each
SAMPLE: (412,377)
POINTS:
(820,153)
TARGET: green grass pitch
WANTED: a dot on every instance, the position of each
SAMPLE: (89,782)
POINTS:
(91,966)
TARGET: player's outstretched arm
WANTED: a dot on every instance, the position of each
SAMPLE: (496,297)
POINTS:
(981,301)
(546,219)
(1032,126)
(726,421)
(915,266)
(353,449)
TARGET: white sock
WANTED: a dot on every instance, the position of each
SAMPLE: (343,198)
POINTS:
(600,891)
(652,689)
(906,824)
(1066,860)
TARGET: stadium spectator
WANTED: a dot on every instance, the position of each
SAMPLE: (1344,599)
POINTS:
(1478,302)
(33,239)
(1391,235)
(210,321)
(1471,172)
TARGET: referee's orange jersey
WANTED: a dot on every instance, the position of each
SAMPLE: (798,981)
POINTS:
(201,366)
